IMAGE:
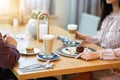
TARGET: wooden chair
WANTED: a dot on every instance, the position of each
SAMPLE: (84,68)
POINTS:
(82,76)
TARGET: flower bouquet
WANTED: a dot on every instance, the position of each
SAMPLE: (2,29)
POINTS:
(36,12)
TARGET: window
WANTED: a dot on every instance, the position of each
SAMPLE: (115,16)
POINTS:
(4,6)
(21,9)
(27,6)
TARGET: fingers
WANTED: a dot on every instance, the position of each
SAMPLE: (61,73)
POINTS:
(85,57)
(11,41)
(2,37)
(5,36)
(90,55)
(83,53)
(79,55)
(78,35)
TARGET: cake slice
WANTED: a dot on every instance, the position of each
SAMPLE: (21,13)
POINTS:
(30,50)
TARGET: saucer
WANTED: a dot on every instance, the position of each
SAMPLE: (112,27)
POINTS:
(71,43)
(66,41)
(52,58)
(23,52)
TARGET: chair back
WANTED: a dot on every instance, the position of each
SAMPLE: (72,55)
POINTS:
(88,24)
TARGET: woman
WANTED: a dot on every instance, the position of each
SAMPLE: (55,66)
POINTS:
(108,37)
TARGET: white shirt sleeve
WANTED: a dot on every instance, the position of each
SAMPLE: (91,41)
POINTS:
(109,54)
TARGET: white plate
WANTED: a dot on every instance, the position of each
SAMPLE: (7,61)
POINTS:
(64,52)
(71,50)
(71,53)
(36,51)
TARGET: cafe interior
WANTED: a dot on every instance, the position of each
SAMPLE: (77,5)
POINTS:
(22,20)
(69,13)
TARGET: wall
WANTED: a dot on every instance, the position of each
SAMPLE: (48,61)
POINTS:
(62,13)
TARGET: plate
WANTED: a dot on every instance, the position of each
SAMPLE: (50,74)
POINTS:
(52,58)
(69,51)
(36,51)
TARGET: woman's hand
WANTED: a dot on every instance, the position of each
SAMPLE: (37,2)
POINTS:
(80,36)
(88,55)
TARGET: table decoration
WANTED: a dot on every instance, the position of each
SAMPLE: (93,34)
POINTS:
(34,22)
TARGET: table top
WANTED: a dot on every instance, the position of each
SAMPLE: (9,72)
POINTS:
(63,66)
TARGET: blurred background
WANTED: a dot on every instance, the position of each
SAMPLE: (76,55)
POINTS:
(62,12)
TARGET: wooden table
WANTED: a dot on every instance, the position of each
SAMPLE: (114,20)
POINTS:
(63,66)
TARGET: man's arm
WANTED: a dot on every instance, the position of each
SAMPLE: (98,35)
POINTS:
(9,55)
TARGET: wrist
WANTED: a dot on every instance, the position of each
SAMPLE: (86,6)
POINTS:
(13,45)
(99,54)
(116,53)
(84,37)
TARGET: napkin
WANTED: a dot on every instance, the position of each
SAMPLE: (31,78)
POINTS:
(36,67)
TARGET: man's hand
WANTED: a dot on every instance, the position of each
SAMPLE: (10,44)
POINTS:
(11,40)
(1,38)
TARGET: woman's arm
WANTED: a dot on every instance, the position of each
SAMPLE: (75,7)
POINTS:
(105,54)
(87,38)
(109,54)
(92,39)
(117,52)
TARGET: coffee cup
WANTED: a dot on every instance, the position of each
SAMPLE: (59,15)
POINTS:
(48,44)
(71,31)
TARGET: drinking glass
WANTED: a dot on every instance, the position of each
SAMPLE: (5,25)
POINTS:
(71,31)
(48,45)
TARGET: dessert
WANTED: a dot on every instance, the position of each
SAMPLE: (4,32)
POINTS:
(71,50)
(30,50)
(79,49)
